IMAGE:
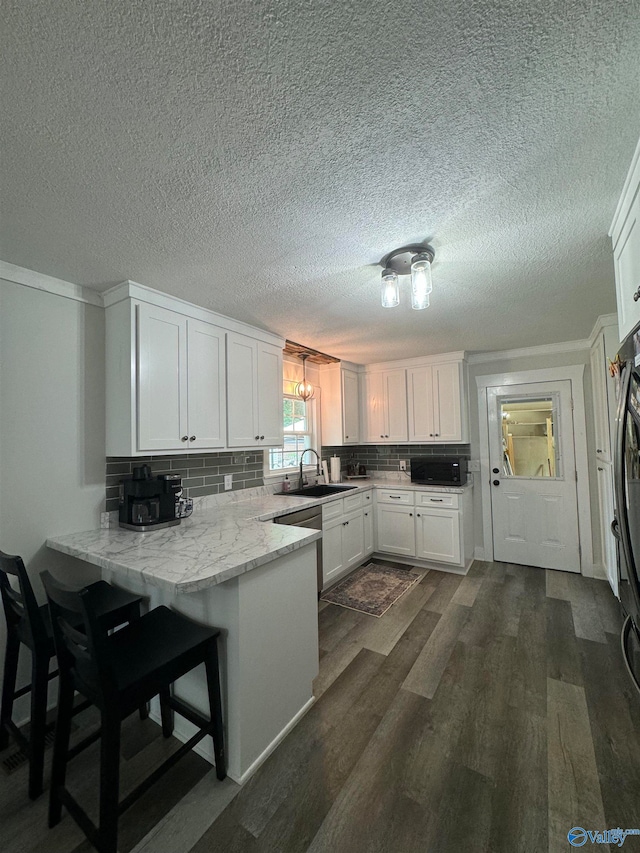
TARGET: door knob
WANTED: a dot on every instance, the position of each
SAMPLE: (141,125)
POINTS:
(496,482)
(496,470)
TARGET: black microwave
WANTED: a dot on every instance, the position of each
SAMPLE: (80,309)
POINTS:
(439,470)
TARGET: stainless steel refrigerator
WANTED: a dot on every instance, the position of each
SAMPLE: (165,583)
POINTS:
(626,472)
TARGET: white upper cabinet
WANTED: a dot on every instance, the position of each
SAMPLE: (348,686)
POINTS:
(162,379)
(421,401)
(167,383)
(340,405)
(384,406)
(436,397)
(254,397)
(625,235)
(180,365)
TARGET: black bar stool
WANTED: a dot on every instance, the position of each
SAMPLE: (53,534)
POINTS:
(29,624)
(117,673)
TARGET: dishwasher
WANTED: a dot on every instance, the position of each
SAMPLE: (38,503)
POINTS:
(312,518)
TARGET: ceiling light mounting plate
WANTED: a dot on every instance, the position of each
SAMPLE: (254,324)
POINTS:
(400,259)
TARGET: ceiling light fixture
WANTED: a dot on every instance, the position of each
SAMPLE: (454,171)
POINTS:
(304,389)
(409,260)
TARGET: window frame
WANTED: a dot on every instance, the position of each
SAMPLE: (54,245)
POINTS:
(313,420)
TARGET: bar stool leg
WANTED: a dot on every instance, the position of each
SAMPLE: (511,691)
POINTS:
(215,706)
(109,781)
(60,750)
(37,729)
(166,713)
(8,686)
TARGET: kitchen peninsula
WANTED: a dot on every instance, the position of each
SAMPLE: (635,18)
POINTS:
(255,581)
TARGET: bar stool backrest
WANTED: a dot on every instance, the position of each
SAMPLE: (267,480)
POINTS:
(20,606)
(79,639)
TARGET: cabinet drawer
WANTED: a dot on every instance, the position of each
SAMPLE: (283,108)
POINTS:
(395,496)
(437,500)
(352,502)
(331,510)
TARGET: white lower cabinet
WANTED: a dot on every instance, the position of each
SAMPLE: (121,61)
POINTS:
(344,545)
(369,537)
(396,529)
(438,535)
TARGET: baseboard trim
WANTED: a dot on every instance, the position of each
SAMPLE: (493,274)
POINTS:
(183,730)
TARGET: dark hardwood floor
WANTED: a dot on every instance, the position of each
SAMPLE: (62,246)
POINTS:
(486,713)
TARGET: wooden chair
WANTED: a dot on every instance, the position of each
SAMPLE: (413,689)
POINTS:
(117,673)
(29,624)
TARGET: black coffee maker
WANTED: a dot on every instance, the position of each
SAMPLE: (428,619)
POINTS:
(148,502)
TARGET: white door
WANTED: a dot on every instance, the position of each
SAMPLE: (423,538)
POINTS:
(368,531)
(447,418)
(420,401)
(207,399)
(396,530)
(332,562)
(162,379)
(353,539)
(350,407)
(373,420)
(533,475)
(270,395)
(395,398)
(242,391)
(438,535)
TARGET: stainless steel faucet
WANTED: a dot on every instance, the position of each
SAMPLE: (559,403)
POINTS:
(301,481)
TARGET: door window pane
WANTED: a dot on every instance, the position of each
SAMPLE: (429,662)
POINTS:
(529,446)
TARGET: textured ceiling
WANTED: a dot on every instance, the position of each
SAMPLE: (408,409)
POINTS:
(260,158)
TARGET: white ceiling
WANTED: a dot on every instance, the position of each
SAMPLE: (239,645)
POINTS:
(260,158)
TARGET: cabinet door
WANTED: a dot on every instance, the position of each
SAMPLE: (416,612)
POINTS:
(350,407)
(626,257)
(373,409)
(242,391)
(396,530)
(395,401)
(270,395)
(447,419)
(206,383)
(162,379)
(420,403)
(332,563)
(600,400)
(353,539)
(438,535)
(369,545)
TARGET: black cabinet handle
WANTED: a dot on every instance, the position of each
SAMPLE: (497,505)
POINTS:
(437,500)
(193,438)
(636,295)
(185,438)
(417,515)
(410,515)
(261,437)
(496,482)
(496,470)
(395,497)
(257,438)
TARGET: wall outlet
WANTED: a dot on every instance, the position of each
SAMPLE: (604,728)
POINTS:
(473,465)
(403,464)
(228,482)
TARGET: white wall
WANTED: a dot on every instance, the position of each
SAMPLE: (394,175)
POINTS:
(52,428)
(536,362)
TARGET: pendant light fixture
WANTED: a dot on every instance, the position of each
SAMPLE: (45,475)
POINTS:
(304,389)
(409,260)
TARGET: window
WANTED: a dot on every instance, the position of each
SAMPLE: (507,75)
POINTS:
(298,436)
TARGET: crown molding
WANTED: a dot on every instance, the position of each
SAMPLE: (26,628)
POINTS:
(49,284)
(524,352)
(603,321)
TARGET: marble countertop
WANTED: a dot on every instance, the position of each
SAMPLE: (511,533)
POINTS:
(217,543)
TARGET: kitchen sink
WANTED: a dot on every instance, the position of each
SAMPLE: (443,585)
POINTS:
(317,491)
